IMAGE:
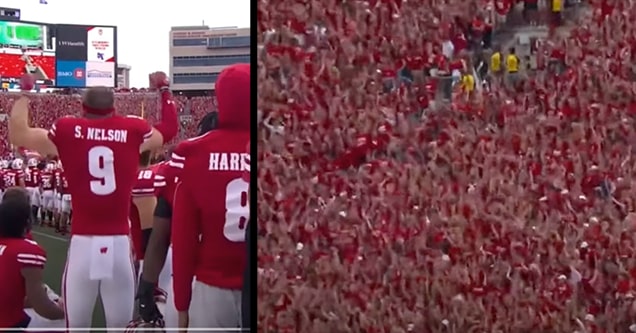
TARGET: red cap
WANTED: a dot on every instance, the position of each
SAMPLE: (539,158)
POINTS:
(246,174)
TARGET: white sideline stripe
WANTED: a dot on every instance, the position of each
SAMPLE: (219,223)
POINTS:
(45,235)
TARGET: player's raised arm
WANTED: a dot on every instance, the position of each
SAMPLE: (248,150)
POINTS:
(185,239)
(20,133)
(167,129)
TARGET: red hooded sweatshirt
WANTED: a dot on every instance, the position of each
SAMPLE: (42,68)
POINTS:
(211,209)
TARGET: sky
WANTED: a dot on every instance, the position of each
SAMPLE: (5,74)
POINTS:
(143,25)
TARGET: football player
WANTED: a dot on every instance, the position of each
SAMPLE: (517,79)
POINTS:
(4,166)
(157,265)
(32,183)
(57,199)
(15,175)
(144,202)
(65,202)
(22,264)
(208,233)
(100,153)
(47,188)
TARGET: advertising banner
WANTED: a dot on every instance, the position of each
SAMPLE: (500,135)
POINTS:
(101,44)
(71,73)
(71,41)
(100,73)
(95,47)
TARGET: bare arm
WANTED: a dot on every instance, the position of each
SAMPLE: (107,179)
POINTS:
(22,135)
(36,294)
(168,128)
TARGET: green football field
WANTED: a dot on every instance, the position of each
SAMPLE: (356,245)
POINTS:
(56,247)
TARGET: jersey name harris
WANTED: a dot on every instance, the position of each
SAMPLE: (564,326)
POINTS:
(229,162)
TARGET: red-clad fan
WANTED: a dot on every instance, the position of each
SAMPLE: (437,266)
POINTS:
(143,206)
(15,175)
(502,7)
(47,188)
(32,184)
(100,154)
(208,233)
(21,263)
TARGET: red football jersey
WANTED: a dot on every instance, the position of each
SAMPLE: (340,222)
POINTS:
(143,187)
(100,158)
(145,184)
(62,185)
(12,178)
(57,179)
(15,254)
(47,181)
(165,182)
(211,201)
(32,177)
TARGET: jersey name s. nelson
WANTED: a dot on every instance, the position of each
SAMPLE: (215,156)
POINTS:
(104,155)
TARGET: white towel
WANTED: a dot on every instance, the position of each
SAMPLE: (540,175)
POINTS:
(102,258)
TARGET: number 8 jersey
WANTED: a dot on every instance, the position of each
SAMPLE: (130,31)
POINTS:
(100,158)
(210,203)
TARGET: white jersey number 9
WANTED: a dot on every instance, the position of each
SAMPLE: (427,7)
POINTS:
(100,166)
(237,210)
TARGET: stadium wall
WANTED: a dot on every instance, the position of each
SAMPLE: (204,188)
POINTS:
(199,53)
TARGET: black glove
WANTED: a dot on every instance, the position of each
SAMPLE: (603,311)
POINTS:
(148,310)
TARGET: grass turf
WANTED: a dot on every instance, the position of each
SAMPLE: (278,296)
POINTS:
(56,247)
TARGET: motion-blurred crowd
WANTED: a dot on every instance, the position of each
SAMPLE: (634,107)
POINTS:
(390,204)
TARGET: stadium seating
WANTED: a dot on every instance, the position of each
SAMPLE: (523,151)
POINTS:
(505,210)
(45,108)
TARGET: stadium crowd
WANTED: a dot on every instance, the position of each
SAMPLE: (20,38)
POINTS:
(388,209)
(48,107)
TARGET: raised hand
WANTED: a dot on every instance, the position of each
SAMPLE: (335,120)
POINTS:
(158,80)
